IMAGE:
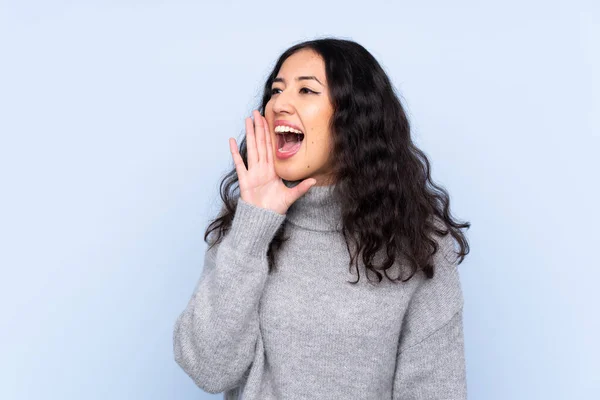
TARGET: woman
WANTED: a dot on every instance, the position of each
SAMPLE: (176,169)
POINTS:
(327,164)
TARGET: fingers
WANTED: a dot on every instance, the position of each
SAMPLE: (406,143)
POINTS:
(259,130)
(269,144)
(240,168)
(251,143)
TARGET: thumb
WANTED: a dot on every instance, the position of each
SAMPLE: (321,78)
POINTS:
(300,189)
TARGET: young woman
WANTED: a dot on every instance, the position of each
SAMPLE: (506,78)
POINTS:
(330,187)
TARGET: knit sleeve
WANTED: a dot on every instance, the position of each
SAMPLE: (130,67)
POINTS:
(430,362)
(215,336)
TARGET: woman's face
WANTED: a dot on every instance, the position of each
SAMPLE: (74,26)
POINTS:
(300,97)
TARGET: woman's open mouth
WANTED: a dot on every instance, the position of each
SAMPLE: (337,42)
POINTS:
(288,144)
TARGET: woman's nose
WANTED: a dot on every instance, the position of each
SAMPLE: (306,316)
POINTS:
(282,103)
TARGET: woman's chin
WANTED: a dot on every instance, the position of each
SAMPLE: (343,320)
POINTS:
(290,175)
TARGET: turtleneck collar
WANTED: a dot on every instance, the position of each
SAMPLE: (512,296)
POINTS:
(315,210)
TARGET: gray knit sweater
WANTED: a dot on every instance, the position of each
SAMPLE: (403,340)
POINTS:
(304,332)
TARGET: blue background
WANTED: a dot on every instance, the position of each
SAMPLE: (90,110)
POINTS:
(115,118)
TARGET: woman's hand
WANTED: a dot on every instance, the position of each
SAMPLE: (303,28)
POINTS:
(259,184)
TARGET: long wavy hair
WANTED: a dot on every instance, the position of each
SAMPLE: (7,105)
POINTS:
(389,203)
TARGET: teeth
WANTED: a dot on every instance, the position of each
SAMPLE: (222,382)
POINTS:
(284,129)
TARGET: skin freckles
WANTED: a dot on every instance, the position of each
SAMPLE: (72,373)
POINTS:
(305,103)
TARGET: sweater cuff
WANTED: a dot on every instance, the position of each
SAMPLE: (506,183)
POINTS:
(253,228)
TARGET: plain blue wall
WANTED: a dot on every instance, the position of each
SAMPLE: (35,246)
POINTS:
(115,118)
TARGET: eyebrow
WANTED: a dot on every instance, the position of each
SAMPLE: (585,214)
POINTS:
(300,78)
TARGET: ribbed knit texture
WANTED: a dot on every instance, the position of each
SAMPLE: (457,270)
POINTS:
(304,331)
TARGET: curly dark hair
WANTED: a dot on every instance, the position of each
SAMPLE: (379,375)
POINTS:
(383,180)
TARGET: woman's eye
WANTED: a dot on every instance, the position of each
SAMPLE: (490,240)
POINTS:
(274,90)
